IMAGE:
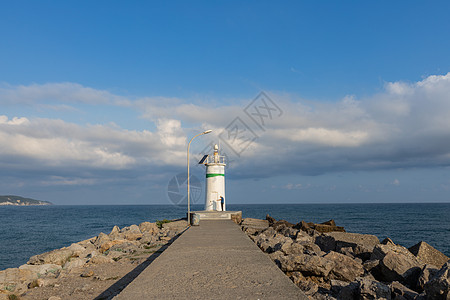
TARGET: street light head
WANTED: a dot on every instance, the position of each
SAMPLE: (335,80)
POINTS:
(207,131)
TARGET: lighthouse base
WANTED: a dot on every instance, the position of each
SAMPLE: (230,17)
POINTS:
(236,216)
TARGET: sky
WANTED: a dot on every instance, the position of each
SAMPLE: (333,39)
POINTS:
(310,101)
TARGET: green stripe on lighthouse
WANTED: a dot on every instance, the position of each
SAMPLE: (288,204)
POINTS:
(214,175)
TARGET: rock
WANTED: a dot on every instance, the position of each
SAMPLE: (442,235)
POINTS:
(126,247)
(399,291)
(428,271)
(387,241)
(303,237)
(176,226)
(308,287)
(369,265)
(362,244)
(87,273)
(147,227)
(281,224)
(369,289)
(59,257)
(344,268)
(428,255)
(270,220)
(131,236)
(439,285)
(147,238)
(292,248)
(307,264)
(115,233)
(131,233)
(41,270)
(100,259)
(132,228)
(289,232)
(344,290)
(36,283)
(311,248)
(303,226)
(271,244)
(276,256)
(256,224)
(108,244)
(329,226)
(236,217)
(74,263)
(269,232)
(15,279)
(296,276)
(101,239)
(77,250)
(397,264)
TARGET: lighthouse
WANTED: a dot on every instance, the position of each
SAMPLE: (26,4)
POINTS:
(215,181)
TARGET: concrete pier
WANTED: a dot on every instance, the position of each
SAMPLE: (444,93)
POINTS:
(215,260)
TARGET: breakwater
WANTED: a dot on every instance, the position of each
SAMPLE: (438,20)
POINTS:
(31,230)
(326,262)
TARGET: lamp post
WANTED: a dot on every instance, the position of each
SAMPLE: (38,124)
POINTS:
(188,176)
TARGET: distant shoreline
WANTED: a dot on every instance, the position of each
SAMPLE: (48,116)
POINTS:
(11,200)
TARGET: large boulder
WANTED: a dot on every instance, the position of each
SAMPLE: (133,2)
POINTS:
(252,226)
(77,250)
(270,243)
(399,291)
(41,270)
(177,225)
(428,255)
(308,265)
(396,263)
(132,233)
(74,263)
(361,244)
(58,257)
(371,289)
(15,279)
(344,268)
(289,248)
(439,285)
(328,226)
(281,225)
(428,271)
(100,259)
(115,233)
(147,227)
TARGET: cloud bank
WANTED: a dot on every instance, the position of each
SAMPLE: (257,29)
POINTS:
(406,125)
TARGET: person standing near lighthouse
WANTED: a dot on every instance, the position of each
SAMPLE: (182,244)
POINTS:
(215,182)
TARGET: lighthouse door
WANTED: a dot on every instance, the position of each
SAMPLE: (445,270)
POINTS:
(215,196)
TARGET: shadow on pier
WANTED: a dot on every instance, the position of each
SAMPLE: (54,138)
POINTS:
(122,283)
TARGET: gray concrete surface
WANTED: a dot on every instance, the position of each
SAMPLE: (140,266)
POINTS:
(215,260)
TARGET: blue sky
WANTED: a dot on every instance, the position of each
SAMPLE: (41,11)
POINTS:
(98,99)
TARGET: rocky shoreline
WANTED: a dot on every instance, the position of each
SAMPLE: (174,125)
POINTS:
(97,268)
(323,260)
(328,263)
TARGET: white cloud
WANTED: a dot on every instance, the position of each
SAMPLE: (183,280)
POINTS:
(59,92)
(404,126)
(14,121)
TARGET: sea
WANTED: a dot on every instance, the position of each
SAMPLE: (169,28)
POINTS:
(29,230)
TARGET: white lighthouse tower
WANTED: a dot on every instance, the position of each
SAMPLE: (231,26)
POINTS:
(215,181)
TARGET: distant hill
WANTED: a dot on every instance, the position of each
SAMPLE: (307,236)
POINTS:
(20,201)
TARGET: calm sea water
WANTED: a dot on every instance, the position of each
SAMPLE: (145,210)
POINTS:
(30,230)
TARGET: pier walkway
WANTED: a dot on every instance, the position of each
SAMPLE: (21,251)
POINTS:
(215,260)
